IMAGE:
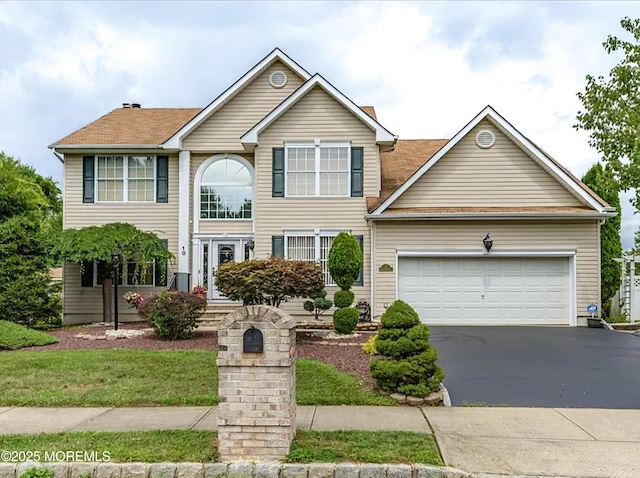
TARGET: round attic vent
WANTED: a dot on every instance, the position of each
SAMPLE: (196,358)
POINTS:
(278,79)
(485,139)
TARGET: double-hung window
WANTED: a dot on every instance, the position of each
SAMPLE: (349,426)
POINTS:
(317,169)
(311,248)
(125,178)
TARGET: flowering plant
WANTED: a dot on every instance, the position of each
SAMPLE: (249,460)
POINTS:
(134,299)
(199,289)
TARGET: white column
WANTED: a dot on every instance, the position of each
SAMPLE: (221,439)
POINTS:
(184,173)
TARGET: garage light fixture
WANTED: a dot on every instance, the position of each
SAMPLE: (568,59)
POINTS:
(488,242)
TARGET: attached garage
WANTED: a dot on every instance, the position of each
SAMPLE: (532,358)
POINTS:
(488,290)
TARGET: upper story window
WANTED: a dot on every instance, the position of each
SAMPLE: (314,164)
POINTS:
(125,178)
(319,169)
(226,190)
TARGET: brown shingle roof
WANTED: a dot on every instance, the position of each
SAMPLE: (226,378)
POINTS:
(398,165)
(370,110)
(496,210)
(131,126)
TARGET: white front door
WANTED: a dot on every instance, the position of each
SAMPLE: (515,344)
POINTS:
(215,252)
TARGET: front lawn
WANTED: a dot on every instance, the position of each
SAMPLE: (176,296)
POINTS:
(201,446)
(14,336)
(134,378)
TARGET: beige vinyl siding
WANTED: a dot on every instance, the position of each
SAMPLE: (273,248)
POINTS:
(218,227)
(503,175)
(84,304)
(581,236)
(222,131)
(315,116)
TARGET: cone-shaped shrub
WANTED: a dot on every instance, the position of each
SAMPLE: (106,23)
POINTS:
(408,362)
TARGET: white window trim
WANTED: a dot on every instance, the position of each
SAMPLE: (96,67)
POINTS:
(198,184)
(125,179)
(316,234)
(124,280)
(317,144)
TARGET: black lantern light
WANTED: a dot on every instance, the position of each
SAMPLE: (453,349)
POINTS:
(488,242)
(115,261)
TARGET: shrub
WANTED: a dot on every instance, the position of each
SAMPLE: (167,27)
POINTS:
(37,472)
(343,298)
(173,314)
(345,260)
(319,305)
(270,281)
(408,362)
(345,320)
(369,346)
(14,336)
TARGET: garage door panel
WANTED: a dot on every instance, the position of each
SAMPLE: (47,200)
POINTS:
(487,290)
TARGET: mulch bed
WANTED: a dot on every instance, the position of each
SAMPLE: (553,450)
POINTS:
(344,353)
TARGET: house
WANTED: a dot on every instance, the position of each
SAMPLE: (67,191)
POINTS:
(484,228)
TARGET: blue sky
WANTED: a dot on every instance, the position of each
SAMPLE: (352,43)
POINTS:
(427,67)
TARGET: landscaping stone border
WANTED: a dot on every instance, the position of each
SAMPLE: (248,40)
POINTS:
(241,469)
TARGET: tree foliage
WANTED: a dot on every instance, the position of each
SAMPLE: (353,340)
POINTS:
(611,109)
(270,281)
(604,184)
(98,242)
(345,260)
(28,202)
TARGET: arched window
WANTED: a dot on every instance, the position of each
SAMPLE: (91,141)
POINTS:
(226,190)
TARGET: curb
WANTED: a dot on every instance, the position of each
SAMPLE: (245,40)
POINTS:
(240,469)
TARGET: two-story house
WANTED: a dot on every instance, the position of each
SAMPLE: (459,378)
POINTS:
(483,228)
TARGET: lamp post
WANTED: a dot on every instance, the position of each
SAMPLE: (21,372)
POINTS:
(115,261)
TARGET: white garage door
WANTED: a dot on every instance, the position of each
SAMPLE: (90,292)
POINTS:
(486,290)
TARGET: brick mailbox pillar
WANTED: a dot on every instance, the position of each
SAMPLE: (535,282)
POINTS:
(256,384)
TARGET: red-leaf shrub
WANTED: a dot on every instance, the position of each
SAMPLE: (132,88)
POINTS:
(270,281)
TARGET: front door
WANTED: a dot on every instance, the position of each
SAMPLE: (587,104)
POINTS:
(216,252)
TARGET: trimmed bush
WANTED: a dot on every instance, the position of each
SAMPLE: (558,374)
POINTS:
(172,314)
(318,305)
(343,298)
(345,260)
(14,336)
(270,281)
(369,346)
(408,362)
(345,320)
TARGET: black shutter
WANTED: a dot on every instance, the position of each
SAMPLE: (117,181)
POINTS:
(88,172)
(161,269)
(277,246)
(277,169)
(357,170)
(360,279)
(162,179)
(87,274)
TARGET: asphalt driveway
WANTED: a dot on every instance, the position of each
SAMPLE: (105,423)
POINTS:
(539,366)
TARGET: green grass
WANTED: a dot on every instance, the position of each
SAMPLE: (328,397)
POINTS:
(119,378)
(14,336)
(364,447)
(201,446)
(151,446)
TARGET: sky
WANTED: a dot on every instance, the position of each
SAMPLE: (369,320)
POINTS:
(427,67)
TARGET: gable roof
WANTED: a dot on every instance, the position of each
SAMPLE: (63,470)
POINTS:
(383,135)
(488,112)
(398,165)
(174,142)
(146,127)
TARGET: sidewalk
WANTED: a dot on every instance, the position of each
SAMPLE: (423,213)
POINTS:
(509,441)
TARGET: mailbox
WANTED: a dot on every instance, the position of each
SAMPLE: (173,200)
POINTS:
(252,341)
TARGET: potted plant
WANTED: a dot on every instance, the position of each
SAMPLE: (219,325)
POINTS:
(200,291)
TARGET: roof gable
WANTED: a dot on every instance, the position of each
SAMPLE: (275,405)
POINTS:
(175,141)
(250,138)
(560,173)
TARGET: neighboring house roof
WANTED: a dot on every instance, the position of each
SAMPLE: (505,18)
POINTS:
(174,142)
(488,112)
(130,126)
(398,165)
(370,110)
(383,135)
(55,273)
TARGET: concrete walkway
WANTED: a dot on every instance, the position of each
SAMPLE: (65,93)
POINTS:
(502,441)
